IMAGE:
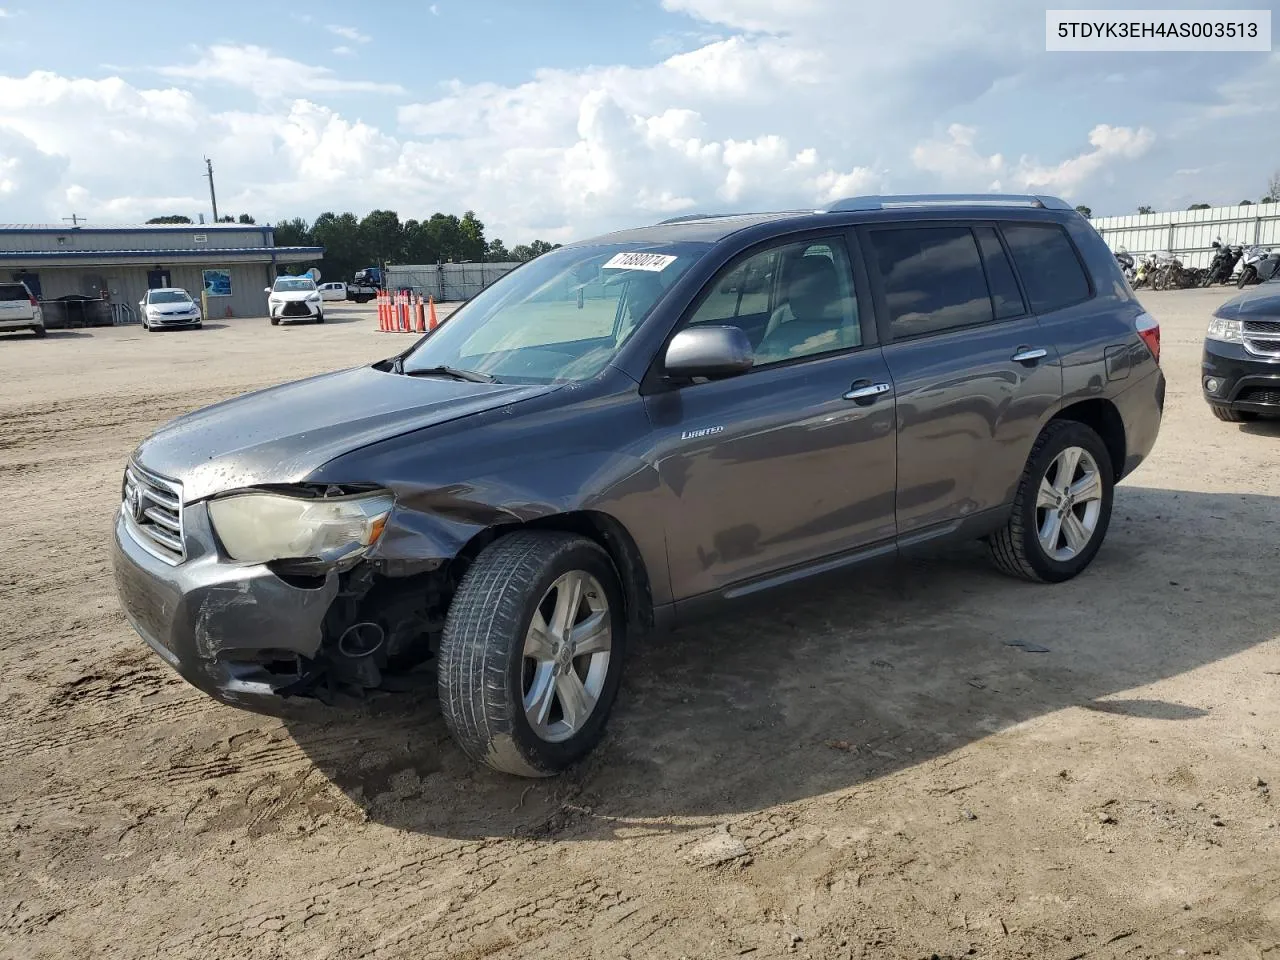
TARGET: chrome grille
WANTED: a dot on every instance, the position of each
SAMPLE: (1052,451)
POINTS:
(152,508)
(1262,337)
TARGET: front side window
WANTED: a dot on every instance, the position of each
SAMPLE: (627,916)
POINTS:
(561,317)
(932,278)
(168,296)
(1048,264)
(794,300)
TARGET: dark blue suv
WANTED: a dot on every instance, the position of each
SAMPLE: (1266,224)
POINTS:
(629,431)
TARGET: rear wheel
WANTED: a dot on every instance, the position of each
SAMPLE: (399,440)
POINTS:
(1227,415)
(532,650)
(1061,509)
(39,331)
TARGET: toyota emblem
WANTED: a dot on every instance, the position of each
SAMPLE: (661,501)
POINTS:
(133,497)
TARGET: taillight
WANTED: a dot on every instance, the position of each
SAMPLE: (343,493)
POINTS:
(1149,330)
(34,301)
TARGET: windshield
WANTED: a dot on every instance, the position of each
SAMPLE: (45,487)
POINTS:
(168,296)
(13,291)
(562,316)
(290,284)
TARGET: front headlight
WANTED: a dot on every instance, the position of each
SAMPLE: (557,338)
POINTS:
(1226,331)
(314,298)
(260,527)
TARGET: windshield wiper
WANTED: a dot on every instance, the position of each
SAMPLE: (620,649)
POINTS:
(471,376)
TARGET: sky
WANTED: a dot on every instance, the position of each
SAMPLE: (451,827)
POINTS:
(560,119)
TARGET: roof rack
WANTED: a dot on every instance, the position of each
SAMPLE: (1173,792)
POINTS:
(948,199)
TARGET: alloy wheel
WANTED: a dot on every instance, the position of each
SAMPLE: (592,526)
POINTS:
(566,656)
(1068,504)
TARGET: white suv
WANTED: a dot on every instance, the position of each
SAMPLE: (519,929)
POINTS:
(19,310)
(294,298)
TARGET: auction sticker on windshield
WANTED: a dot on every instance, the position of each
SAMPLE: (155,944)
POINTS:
(656,262)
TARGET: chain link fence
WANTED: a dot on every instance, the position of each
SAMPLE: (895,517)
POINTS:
(446,281)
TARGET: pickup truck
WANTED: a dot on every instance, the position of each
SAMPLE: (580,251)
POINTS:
(19,309)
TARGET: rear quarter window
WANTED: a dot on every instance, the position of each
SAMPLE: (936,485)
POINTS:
(1047,261)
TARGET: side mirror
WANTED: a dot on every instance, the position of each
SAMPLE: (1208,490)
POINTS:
(266,290)
(708,352)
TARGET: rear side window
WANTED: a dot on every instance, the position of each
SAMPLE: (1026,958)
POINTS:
(933,279)
(1047,261)
(13,291)
(1005,296)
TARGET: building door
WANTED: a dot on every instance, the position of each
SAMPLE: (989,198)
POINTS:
(156,279)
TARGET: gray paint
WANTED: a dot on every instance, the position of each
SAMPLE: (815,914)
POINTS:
(721,487)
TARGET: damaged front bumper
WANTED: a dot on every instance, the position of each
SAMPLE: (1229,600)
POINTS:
(238,632)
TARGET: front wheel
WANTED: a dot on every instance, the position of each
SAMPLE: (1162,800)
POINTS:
(319,318)
(532,651)
(275,321)
(1061,509)
(1246,277)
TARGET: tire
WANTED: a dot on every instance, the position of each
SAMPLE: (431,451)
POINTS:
(275,321)
(1246,277)
(319,318)
(1227,415)
(39,331)
(485,672)
(198,326)
(1017,548)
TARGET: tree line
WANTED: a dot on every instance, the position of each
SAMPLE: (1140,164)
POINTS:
(351,243)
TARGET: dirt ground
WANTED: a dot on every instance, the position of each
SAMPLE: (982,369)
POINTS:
(865,768)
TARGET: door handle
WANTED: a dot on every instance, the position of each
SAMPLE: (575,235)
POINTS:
(867,392)
(1030,355)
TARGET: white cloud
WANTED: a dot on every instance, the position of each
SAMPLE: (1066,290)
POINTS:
(344,51)
(435,9)
(267,74)
(956,156)
(4,13)
(348,33)
(957,161)
(1109,144)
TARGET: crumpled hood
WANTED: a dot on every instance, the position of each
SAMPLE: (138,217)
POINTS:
(284,433)
(1255,303)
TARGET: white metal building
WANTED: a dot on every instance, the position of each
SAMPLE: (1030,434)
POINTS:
(231,261)
(1189,234)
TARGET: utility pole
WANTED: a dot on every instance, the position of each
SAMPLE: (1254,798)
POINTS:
(75,219)
(213,197)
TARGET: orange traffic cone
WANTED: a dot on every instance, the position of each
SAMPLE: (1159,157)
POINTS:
(420,315)
(431,300)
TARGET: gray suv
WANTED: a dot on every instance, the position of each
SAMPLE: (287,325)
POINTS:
(627,432)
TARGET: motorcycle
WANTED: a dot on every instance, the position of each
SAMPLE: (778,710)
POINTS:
(1223,265)
(1145,271)
(1125,259)
(1260,264)
(1166,271)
